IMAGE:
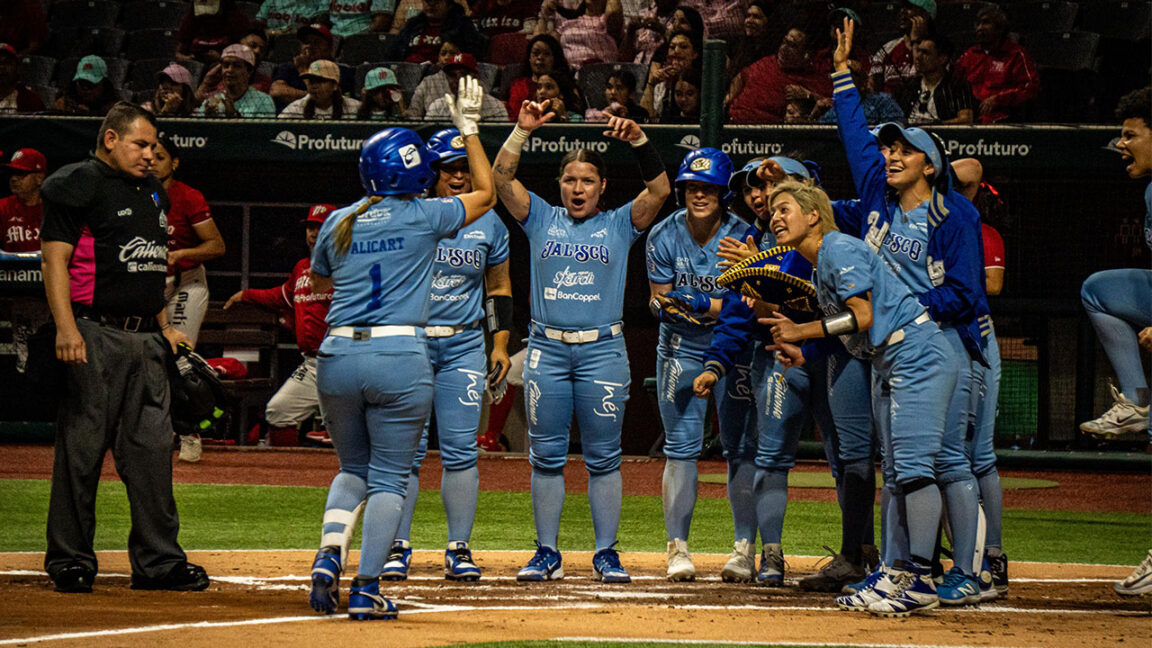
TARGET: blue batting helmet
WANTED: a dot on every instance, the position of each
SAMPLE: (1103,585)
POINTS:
(708,165)
(395,161)
(446,145)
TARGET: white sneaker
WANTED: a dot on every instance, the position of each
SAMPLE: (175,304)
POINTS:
(190,448)
(1139,582)
(680,567)
(741,564)
(1124,416)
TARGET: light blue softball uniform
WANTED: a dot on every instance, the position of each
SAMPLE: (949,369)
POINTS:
(910,368)
(674,257)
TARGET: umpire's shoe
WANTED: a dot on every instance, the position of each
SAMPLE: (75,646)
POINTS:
(914,591)
(399,559)
(184,577)
(74,579)
(606,565)
(325,595)
(458,564)
(545,565)
(366,604)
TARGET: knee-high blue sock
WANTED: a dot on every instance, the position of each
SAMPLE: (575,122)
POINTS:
(605,492)
(741,500)
(896,530)
(921,516)
(678,491)
(993,500)
(344,498)
(547,504)
(770,488)
(459,490)
(382,514)
(404,529)
(963,516)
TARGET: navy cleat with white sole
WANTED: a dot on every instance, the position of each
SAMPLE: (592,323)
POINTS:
(325,594)
(366,604)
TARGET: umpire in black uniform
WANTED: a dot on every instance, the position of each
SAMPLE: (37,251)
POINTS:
(105,258)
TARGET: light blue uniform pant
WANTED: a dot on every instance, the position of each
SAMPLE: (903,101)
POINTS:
(376,395)
(1119,303)
(981,448)
(953,467)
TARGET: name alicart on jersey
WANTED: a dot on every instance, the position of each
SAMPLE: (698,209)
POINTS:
(378,245)
(457,257)
(578,252)
(909,247)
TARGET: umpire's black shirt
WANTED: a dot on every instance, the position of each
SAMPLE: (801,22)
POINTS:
(118,225)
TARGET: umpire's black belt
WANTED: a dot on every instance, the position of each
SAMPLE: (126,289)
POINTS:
(130,323)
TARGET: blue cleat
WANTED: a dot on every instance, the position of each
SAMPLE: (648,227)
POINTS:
(544,566)
(366,604)
(325,595)
(606,564)
(914,591)
(959,588)
(399,559)
(458,565)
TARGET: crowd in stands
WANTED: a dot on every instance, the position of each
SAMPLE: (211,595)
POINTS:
(919,61)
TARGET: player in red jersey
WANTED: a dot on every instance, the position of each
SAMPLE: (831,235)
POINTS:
(22,212)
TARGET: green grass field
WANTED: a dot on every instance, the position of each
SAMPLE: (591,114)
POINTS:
(287,517)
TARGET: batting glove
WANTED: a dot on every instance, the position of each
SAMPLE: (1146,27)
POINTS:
(696,302)
(465,106)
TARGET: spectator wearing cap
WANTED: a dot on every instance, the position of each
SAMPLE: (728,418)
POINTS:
(349,17)
(286,16)
(464,66)
(15,97)
(893,63)
(239,98)
(90,92)
(316,43)
(173,96)
(382,98)
(211,26)
(590,33)
(433,86)
(23,26)
(213,81)
(936,96)
(423,34)
(1001,73)
(297,400)
(324,99)
(22,213)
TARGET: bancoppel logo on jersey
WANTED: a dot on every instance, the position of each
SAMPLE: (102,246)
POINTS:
(579,252)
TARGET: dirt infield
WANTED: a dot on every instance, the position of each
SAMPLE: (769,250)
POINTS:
(260,597)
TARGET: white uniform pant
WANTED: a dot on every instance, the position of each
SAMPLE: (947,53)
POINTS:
(187,301)
(297,399)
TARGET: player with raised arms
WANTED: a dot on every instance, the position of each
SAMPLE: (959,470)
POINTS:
(373,372)
(929,235)
(683,265)
(877,317)
(469,266)
(576,359)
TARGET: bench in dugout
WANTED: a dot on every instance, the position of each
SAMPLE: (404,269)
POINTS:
(249,334)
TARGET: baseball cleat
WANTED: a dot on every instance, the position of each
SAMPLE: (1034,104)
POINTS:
(984,580)
(606,565)
(366,604)
(872,589)
(959,588)
(771,572)
(1124,416)
(325,594)
(399,559)
(998,565)
(544,566)
(680,567)
(458,564)
(741,565)
(1139,582)
(834,575)
(914,591)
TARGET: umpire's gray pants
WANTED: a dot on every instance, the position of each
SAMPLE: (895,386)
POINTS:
(118,400)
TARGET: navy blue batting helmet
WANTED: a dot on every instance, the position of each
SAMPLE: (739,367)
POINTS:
(446,145)
(708,165)
(395,161)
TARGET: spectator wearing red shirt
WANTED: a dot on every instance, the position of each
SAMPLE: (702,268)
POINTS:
(893,63)
(22,25)
(544,56)
(22,213)
(762,99)
(297,399)
(494,17)
(1002,75)
(15,97)
(211,26)
(420,39)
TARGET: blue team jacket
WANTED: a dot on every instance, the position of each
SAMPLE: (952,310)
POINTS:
(955,248)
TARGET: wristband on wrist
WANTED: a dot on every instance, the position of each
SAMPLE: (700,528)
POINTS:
(641,141)
(166,326)
(651,166)
(515,142)
(840,324)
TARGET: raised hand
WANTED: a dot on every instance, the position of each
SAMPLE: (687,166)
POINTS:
(623,129)
(533,115)
(465,106)
(843,46)
(733,251)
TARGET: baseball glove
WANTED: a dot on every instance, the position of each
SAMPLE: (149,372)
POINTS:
(777,276)
(671,305)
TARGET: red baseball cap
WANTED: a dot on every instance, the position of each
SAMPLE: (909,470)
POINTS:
(318,213)
(9,50)
(28,160)
(315,28)
(463,60)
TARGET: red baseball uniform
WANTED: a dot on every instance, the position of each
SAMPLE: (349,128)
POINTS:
(993,247)
(188,209)
(20,225)
(306,308)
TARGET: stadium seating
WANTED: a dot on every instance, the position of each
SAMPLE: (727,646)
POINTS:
(364,48)
(1062,50)
(959,17)
(1124,20)
(489,75)
(142,74)
(83,13)
(37,70)
(152,14)
(80,41)
(1041,16)
(1067,64)
(249,8)
(149,43)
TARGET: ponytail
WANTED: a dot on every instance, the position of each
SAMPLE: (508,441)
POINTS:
(342,236)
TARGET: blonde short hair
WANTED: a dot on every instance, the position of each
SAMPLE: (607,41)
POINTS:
(811,199)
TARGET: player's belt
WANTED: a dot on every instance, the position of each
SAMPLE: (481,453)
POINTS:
(897,336)
(448,331)
(369,332)
(578,336)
